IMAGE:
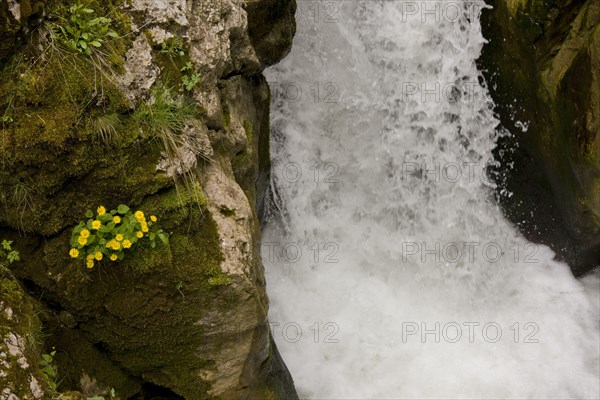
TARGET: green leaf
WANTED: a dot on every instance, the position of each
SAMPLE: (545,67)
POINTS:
(122,209)
(49,372)
(88,213)
(13,256)
(96,43)
(163,238)
(6,245)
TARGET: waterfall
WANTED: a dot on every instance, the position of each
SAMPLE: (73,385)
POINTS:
(391,270)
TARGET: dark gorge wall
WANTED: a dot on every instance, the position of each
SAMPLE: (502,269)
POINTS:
(542,65)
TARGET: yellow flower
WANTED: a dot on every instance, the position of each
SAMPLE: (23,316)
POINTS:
(101,210)
(119,237)
(144,228)
(116,245)
(98,256)
(153,218)
(139,234)
(90,257)
(85,233)
(96,224)
(139,215)
(116,219)
(82,240)
(74,253)
(126,244)
(109,244)
(113,257)
(90,264)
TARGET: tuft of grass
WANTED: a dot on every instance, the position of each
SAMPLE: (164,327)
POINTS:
(23,199)
(166,119)
(173,47)
(107,127)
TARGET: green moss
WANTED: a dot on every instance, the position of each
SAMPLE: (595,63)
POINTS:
(227,212)
(53,144)
(141,313)
(249,131)
(219,279)
(18,319)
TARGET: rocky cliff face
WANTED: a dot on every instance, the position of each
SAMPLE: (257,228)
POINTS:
(168,114)
(543,67)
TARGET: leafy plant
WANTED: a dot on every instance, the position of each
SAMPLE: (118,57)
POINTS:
(173,47)
(48,369)
(7,254)
(192,78)
(111,234)
(83,30)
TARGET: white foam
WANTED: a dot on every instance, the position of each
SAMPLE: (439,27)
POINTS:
(367,208)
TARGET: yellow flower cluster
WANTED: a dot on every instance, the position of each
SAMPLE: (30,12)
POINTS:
(113,233)
(113,244)
(83,237)
(141,218)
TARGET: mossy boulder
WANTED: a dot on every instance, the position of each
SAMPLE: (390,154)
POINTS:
(271,27)
(541,64)
(20,338)
(187,319)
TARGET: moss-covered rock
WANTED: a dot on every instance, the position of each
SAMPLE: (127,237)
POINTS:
(20,340)
(542,65)
(271,27)
(187,319)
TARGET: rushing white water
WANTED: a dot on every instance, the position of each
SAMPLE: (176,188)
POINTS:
(389,226)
